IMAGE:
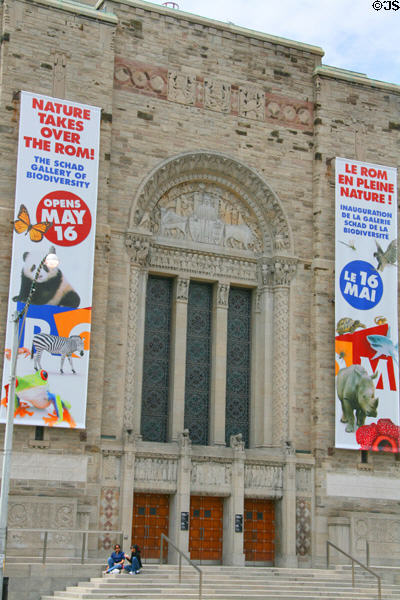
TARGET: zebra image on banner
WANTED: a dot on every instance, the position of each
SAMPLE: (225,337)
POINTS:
(55,213)
(366,340)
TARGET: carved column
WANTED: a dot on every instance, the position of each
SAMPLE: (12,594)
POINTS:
(234,505)
(261,369)
(178,359)
(218,370)
(180,502)
(278,273)
(138,249)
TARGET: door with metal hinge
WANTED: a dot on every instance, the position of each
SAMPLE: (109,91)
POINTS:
(150,519)
(259,530)
(205,533)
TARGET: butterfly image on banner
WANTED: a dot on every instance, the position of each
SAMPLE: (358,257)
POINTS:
(23,225)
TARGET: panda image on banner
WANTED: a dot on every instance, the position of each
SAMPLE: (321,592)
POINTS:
(51,286)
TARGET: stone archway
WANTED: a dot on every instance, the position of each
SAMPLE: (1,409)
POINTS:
(222,175)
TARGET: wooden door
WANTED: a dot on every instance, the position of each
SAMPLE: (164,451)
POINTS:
(150,519)
(259,530)
(205,533)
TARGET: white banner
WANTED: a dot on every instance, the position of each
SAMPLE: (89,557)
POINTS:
(55,213)
(366,342)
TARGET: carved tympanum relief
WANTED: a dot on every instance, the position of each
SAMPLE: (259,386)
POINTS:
(206,214)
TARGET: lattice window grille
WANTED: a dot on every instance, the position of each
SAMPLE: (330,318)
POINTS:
(156,356)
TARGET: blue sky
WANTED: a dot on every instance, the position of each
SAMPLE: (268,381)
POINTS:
(353,35)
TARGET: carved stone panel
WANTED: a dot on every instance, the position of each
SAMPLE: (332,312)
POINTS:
(263,476)
(303,481)
(112,467)
(182,88)
(217,95)
(109,516)
(45,513)
(155,470)
(303,526)
(381,531)
(206,214)
(206,475)
(251,103)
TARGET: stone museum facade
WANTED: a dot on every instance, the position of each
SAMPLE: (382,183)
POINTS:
(211,394)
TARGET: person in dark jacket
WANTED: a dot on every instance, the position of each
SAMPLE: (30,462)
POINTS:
(135,560)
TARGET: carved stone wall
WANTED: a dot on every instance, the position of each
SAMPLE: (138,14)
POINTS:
(50,512)
(382,531)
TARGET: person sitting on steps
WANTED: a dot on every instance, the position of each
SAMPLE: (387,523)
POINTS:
(115,561)
(134,559)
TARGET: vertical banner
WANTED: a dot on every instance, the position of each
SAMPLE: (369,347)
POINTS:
(366,342)
(55,213)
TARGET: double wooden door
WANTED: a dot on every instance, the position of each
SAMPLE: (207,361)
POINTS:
(259,530)
(205,533)
(150,519)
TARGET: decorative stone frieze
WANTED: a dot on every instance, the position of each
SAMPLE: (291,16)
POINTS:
(155,469)
(263,476)
(211,474)
(248,102)
(192,263)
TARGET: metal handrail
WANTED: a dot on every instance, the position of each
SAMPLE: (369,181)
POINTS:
(164,537)
(353,560)
(84,532)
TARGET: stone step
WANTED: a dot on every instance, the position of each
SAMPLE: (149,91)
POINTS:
(229,583)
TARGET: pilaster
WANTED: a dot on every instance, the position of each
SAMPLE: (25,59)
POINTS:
(137,246)
(127,486)
(287,556)
(218,370)
(178,358)
(234,505)
(180,502)
(277,273)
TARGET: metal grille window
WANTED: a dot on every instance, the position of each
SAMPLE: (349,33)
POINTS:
(156,352)
(198,361)
(238,364)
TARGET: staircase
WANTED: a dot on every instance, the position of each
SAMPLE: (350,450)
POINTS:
(161,582)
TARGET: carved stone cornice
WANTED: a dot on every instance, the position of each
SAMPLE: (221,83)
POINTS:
(278,271)
(137,246)
(204,264)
